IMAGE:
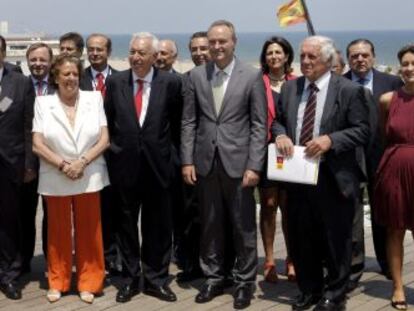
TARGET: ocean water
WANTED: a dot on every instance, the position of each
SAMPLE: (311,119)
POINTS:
(387,43)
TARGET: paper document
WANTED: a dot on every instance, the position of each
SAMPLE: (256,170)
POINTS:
(296,169)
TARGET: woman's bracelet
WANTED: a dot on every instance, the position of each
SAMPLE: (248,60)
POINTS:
(84,160)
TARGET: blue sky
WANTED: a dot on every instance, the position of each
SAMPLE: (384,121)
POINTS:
(168,16)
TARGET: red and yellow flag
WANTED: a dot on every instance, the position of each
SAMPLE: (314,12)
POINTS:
(291,13)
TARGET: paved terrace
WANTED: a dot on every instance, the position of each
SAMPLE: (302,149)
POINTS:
(373,294)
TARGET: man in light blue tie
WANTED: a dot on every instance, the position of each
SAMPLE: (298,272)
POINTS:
(361,60)
(223,145)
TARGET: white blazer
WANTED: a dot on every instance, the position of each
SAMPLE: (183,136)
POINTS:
(70,143)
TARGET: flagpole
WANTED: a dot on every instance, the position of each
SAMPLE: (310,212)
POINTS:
(311,30)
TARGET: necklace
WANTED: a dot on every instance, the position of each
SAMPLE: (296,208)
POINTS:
(70,111)
(276,79)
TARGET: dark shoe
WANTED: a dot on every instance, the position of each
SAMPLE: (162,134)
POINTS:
(208,292)
(162,292)
(329,305)
(126,292)
(352,285)
(188,276)
(11,291)
(305,301)
(242,297)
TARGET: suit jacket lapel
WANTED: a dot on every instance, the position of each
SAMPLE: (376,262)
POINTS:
(208,89)
(156,87)
(330,103)
(293,109)
(60,116)
(128,93)
(81,117)
(232,84)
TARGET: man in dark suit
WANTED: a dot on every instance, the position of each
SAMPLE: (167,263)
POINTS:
(12,67)
(361,60)
(99,48)
(143,121)
(39,58)
(17,164)
(223,144)
(328,115)
(190,242)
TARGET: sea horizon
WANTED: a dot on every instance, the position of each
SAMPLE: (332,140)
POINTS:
(386,42)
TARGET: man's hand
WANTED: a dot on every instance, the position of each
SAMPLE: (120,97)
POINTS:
(250,178)
(284,145)
(318,146)
(29,175)
(189,174)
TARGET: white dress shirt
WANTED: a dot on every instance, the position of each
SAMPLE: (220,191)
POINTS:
(145,93)
(226,77)
(71,143)
(322,84)
(105,74)
(368,80)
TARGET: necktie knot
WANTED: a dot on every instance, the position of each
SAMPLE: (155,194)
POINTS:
(362,81)
(313,88)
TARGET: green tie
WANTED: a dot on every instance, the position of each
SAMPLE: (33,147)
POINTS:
(218,90)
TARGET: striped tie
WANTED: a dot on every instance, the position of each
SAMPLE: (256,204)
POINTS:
(306,133)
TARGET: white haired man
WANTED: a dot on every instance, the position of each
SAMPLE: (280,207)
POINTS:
(144,123)
(328,115)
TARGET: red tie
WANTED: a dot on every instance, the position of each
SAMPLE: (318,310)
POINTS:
(39,88)
(138,97)
(306,134)
(100,85)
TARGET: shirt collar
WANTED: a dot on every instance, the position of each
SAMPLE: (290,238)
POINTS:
(368,77)
(105,72)
(44,80)
(147,78)
(228,69)
(322,82)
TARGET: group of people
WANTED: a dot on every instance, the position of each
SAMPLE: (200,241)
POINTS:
(183,154)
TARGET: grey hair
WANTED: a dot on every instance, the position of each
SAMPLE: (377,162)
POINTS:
(173,45)
(327,45)
(146,35)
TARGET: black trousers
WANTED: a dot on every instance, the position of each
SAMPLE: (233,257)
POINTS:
(29,202)
(154,203)
(228,222)
(379,233)
(320,235)
(10,229)
(110,221)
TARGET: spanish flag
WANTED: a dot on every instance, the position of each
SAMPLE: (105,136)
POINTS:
(291,13)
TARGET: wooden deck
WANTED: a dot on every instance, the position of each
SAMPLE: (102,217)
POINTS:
(373,294)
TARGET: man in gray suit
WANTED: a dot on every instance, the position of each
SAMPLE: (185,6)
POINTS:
(223,145)
(327,114)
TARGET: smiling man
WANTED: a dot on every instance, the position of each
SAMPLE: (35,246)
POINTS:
(143,107)
(39,58)
(328,115)
(223,145)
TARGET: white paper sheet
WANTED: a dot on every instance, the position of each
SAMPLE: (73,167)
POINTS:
(296,169)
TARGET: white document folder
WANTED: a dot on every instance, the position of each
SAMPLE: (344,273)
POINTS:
(296,169)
